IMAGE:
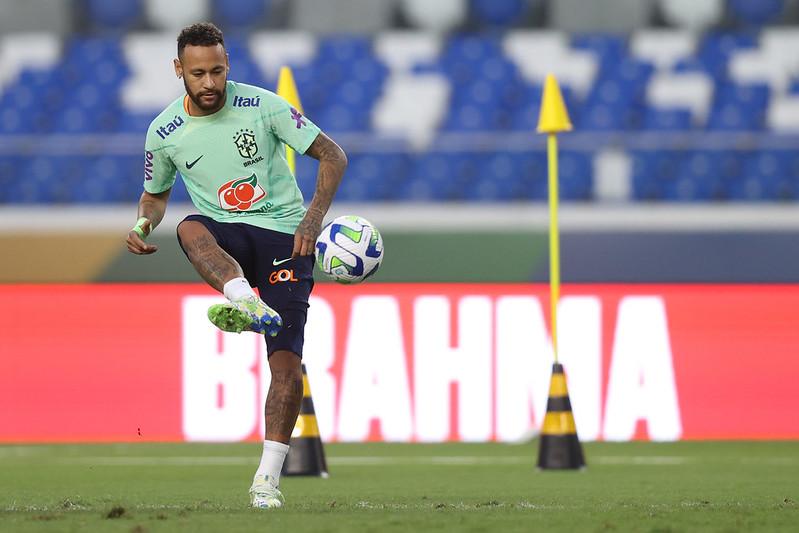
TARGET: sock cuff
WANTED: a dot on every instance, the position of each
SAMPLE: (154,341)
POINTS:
(237,288)
(276,446)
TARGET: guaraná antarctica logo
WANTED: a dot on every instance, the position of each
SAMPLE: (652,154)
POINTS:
(240,194)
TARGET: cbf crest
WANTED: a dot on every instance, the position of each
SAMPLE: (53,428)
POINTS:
(245,142)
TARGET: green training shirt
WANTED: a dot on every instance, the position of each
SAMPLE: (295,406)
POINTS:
(233,162)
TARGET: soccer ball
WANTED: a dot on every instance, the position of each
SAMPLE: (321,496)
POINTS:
(349,249)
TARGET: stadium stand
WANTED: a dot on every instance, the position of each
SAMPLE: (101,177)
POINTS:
(426,114)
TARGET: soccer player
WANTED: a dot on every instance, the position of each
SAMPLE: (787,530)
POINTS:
(227,140)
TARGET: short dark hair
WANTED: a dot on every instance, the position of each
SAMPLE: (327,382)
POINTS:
(200,34)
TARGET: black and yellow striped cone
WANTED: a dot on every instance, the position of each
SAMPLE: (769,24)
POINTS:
(306,455)
(560,448)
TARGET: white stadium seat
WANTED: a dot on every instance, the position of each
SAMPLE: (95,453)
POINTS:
(412,107)
(663,48)
(31,50)
(537,54)
(400,51)
(437,16)
(274,49)
(692,14)
(783,115)
(152,84)
(173,15)
(692,91)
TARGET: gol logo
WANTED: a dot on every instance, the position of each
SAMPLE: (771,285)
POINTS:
(282,275)
(240,193)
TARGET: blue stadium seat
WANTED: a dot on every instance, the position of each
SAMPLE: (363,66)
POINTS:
(756,12)
(772,170)
(104,181)
(575,175)
(667,119)
(440,176)
(116,15)
(500,178)
(733,118)
(373,176)
(499,12)
(179,192)
(343,118)
(533,174)
(651,170)
(610,49)
(240,14)
(306,176)
(698,178)
(134,122)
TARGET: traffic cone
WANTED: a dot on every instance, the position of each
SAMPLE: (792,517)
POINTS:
(306,455)
(560,448)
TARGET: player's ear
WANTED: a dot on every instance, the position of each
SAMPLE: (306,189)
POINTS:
(178,68)
(227,63)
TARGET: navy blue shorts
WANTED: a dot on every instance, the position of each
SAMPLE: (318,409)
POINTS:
(283,283)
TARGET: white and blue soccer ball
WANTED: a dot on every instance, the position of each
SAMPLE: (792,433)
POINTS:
(349,249)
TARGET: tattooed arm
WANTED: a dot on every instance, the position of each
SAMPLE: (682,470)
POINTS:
(332,163)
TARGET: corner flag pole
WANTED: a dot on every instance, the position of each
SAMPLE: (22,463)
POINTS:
(288,90)
(552,120)
(559,445)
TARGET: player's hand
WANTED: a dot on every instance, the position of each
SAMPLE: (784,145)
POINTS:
(306,234)
(136,244)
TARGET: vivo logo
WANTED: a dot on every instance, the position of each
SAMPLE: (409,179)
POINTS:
(148,165)
(169,127)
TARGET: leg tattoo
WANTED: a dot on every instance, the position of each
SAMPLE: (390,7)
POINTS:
(212,263)
(283,404)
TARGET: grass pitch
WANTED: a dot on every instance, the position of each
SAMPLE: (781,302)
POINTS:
(688,486)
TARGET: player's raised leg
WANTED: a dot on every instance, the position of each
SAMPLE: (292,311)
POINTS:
(281,410)
(245,311)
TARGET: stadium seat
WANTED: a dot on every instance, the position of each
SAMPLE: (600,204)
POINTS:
(173,15)
(756,12)
(691,14)
(498,12)
(667,119)
(240,14)
(118,15)
(439,16)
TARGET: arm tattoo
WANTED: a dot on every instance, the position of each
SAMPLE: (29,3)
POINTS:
(332,163)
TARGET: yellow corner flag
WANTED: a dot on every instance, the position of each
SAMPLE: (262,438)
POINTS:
(288,90)
(553,119)
(559,445)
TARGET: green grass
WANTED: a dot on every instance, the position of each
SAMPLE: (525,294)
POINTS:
(707,486)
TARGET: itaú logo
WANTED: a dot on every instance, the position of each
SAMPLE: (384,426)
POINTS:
(281,275)
(450,367)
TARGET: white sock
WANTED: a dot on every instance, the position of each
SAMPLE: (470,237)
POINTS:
(237,288)
(272,460)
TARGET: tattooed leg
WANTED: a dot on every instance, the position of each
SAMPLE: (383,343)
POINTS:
(212,263)
(284,397)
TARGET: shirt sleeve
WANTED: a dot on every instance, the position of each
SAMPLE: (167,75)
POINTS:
(291,126)
(159,170)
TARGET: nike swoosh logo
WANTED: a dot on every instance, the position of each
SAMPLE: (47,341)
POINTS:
(275,262)
(189,165)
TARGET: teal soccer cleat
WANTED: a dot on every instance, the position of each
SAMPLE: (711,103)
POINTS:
(247,314)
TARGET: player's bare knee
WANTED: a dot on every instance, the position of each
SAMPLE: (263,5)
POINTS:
(189,229)
(194,235)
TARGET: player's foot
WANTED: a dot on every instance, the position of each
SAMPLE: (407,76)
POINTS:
(264,494)
(247,314)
